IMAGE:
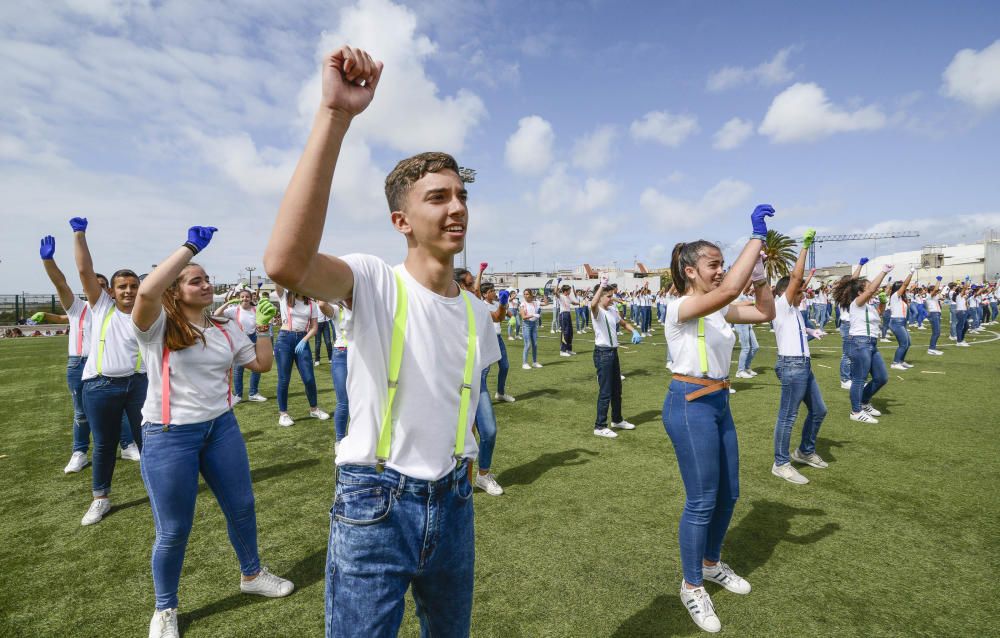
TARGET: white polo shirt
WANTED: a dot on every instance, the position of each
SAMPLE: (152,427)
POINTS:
(682,341)
(606,327)
(789,330)
(865,320)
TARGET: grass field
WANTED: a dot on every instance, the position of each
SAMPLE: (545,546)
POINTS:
(898,537)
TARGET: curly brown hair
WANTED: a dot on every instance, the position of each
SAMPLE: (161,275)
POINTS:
(410,170)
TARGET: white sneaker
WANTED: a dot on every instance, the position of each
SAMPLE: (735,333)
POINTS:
(950,338)
(699,605)
(506,398)
(870,409)
(885,340)
(751,372)
(510,338)
(623,425)
(98,508)
(845,385)
(906,365)
(131,453)
(488,483)
(921,328)
(285,420)
(740,374)
(76,463)
(267,584)
(789,473)
(935,352)
(237,400)
(565,354)
(552,331)
(898,366)
(571,353)
(814,460)
(315,363)
(724,575)
(316,413)
(536,365)
(526,366)
(606,433)
(164,624)
(962,344)
(622,376)
(579,332)
(259,398)
(732,390)
(863,417)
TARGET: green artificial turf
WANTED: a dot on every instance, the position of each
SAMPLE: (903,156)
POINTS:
(897,537)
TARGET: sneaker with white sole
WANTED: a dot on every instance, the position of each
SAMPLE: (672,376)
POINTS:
(845,385)
(935,352)
(723,574)
(526,366)
(488,483)
(76,463)
(906,364)
(257,398)
(237,400)
(267,584)
(623,425)
(565,354)
(870,409)
(285,420)
(316,413)
(606,433)
(571,353)
(751,372)
(506,398)
(898,366)
(740,374)
(131,452)
(316,363)
(732,390)
(699,605)
(885,340)
(863,417)
(164,624)
(789,473)
(813,460)
(962,344)
(98,508)
(536,365)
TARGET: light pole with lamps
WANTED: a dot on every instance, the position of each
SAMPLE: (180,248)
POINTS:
(250,270)
(468,175)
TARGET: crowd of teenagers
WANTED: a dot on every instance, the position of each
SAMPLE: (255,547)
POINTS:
(153,369)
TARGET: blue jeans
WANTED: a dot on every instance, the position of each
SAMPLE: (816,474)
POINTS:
(647,318)
(977,317)
(172,459)
(579,318)
(586,316)
(952,320)
(341,413)
(865,360)
(324,331)
(748,345)
(390,532)
(81,427)
(486,423)
(530,334)
(515,330)
(935,319)
(566,343)
(105,400)
(806,320)
(284,352)
(898,327)
(504,366)
(798,385)
(238,376)
(961,324)
(704,439)
(886,318)
(609,386)
(845,357)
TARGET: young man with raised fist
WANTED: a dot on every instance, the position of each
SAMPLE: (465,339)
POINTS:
(402,516)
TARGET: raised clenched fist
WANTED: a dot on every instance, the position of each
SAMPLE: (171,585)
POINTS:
(350,76)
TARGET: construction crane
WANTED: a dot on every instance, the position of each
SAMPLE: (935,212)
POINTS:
(856,237)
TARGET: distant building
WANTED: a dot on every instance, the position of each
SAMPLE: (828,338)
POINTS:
(979,261)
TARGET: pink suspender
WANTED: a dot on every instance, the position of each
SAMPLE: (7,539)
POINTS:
(79,333)
(165,378)
(291,327)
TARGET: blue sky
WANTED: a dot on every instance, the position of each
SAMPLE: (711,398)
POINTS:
(602,131)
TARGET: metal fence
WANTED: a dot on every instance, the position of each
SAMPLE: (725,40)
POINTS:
(14,309)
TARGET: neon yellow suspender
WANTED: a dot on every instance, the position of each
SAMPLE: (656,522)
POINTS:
(100,344)
(702,349)
(396,360)
(340,321)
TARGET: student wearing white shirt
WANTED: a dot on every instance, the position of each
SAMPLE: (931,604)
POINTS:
(798,383)
(486,421)
(514,323)
(340,315)
(748,340)
(414,382)
(933,305)
(323,330)
(531,316)
(189,427)
(609,373)
(961,314)
(565,302)
(298,325)
(844,313)
(866,360)
(114,376)
(242,311)
(898,303)
(696,411)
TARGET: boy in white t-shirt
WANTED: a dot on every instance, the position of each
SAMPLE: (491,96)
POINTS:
(402,516)
(609,373)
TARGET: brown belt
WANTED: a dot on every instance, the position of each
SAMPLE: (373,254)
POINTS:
(710,386)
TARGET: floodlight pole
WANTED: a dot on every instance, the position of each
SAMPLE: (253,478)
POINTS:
(468,176)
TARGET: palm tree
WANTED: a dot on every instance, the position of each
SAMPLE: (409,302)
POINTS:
(781,254)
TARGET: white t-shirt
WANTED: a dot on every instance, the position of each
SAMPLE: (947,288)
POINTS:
(532,309)
(566,302)
(606,327)
(120,347)
(245,319)
(493,307)
(933,303)
(961,304)
(199,374)
(896,309)
(342,316)
(79,331)
(301,313)
(866,320)
(845,314)
(430,378)
(789,330)
(682,341)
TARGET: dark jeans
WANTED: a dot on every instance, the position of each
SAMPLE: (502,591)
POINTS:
(341,413)
(284,352)
(609,386)
(503,366)
(105,400)
(172,459)
(865,360)
(898,327)
(238,376)
(935,319)
(566,325)
(798,385)
(324,332)
(961,324)
(81,427)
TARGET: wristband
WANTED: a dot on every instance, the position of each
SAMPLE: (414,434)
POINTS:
(194,249)
(264,330)
(760,282)
(758,236)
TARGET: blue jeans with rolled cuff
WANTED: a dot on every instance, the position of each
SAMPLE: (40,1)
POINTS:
(748,345)
(866,360)
(81,427)
(530,334)
(106,400)
(961,325)
(342,412)
(284,352)
(898,327)
(798,385)
(503,366)
(238,376)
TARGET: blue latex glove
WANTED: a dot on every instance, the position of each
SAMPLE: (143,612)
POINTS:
(939,278)
(636,337)
(864,260)
(199,236)
(301,346)
(757,218)
(504,296)
(48,247)
(78,224)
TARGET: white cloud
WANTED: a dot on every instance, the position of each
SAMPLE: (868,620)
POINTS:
(973,77)
(561,192)
(664,127)
(529,149)
(732,134)
(671,212)
(802,113)
(774,71)
(593,151)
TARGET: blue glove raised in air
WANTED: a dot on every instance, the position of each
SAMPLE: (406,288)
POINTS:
(757,218)
(636,337)
(939,278)
(48,247)
(864,260)
(198,237)
(504,296)
(78,224)
(301,346)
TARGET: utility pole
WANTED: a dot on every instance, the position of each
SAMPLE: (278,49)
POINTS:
(250,270)
(533,255)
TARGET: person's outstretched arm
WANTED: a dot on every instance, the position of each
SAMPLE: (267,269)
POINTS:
(149,300)
(47,250)
(84,262)
(857,269)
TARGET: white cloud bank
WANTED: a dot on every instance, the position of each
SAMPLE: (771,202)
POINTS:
(593,151)
(732,134)
(774,71)
(529,149)
(664,128)
(671,212)
(803,113)
(973,77)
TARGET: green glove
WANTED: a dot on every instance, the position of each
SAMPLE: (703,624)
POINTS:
(232,301)
(38,317)
(882,297)
(265,312)
(809,238)
(512,322)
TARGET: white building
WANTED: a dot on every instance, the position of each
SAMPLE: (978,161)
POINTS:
(979,261)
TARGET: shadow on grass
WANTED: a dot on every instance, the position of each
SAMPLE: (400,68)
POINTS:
(253,434)
(530,472)
(664,616)
(641,372)
(824,448)
(647,417)
(306,572)
(537,393)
